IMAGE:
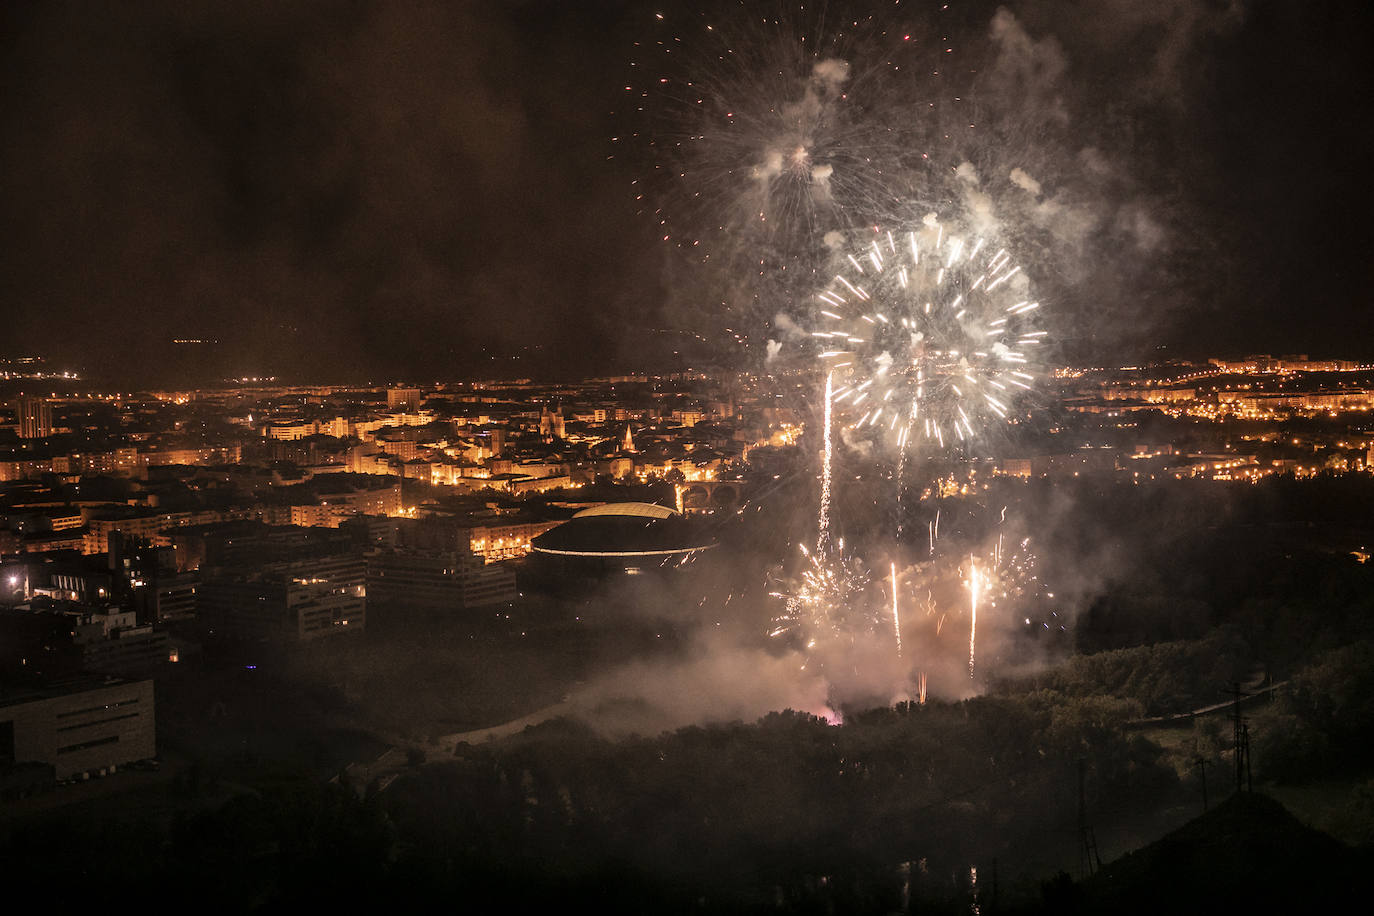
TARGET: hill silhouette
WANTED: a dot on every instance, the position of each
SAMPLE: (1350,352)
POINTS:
(1247,855)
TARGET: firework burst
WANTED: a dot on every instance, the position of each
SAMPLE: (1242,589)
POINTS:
(762,134)
(829,602)
(935,332)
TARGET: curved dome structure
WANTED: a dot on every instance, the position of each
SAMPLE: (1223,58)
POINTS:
(633,510)
(625,531)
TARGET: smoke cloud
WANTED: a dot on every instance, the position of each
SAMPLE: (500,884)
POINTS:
(830,75)
(716,681)
(1023,180)
(1029,70)
(789,328)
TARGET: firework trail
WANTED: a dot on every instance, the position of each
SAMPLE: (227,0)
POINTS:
(998,575)
(973,613)
(823,521)
(901,488)
(823,605)
(896,620)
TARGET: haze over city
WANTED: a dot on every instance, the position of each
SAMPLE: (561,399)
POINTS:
(374,189)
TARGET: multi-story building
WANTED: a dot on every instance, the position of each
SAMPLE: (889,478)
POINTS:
(506,542)
(35,418)
(222,454)
(125,651)
(24,468)
(336,504)
(368,460)
(522,486)
(435,580)
(315,516)
(291,430)
(123,460)
(403,399)
(173,597)
(87,725)
(146,525)
(54,637)
(398,446)
(294,601)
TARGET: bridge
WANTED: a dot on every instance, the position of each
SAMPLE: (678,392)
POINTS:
(701,497)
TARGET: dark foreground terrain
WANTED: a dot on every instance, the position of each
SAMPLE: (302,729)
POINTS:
(936,807)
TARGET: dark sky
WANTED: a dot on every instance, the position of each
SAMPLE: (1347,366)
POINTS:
(352,189)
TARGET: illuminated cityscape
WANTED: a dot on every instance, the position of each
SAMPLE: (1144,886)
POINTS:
(705,457)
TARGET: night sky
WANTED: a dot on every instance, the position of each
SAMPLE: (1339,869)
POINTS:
(383,189)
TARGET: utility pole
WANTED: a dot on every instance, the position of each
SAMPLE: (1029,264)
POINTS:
(1245,745)
(1240,739)
(1088,859)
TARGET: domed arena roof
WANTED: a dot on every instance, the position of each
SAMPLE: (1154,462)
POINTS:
(635,510)
(625,530)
